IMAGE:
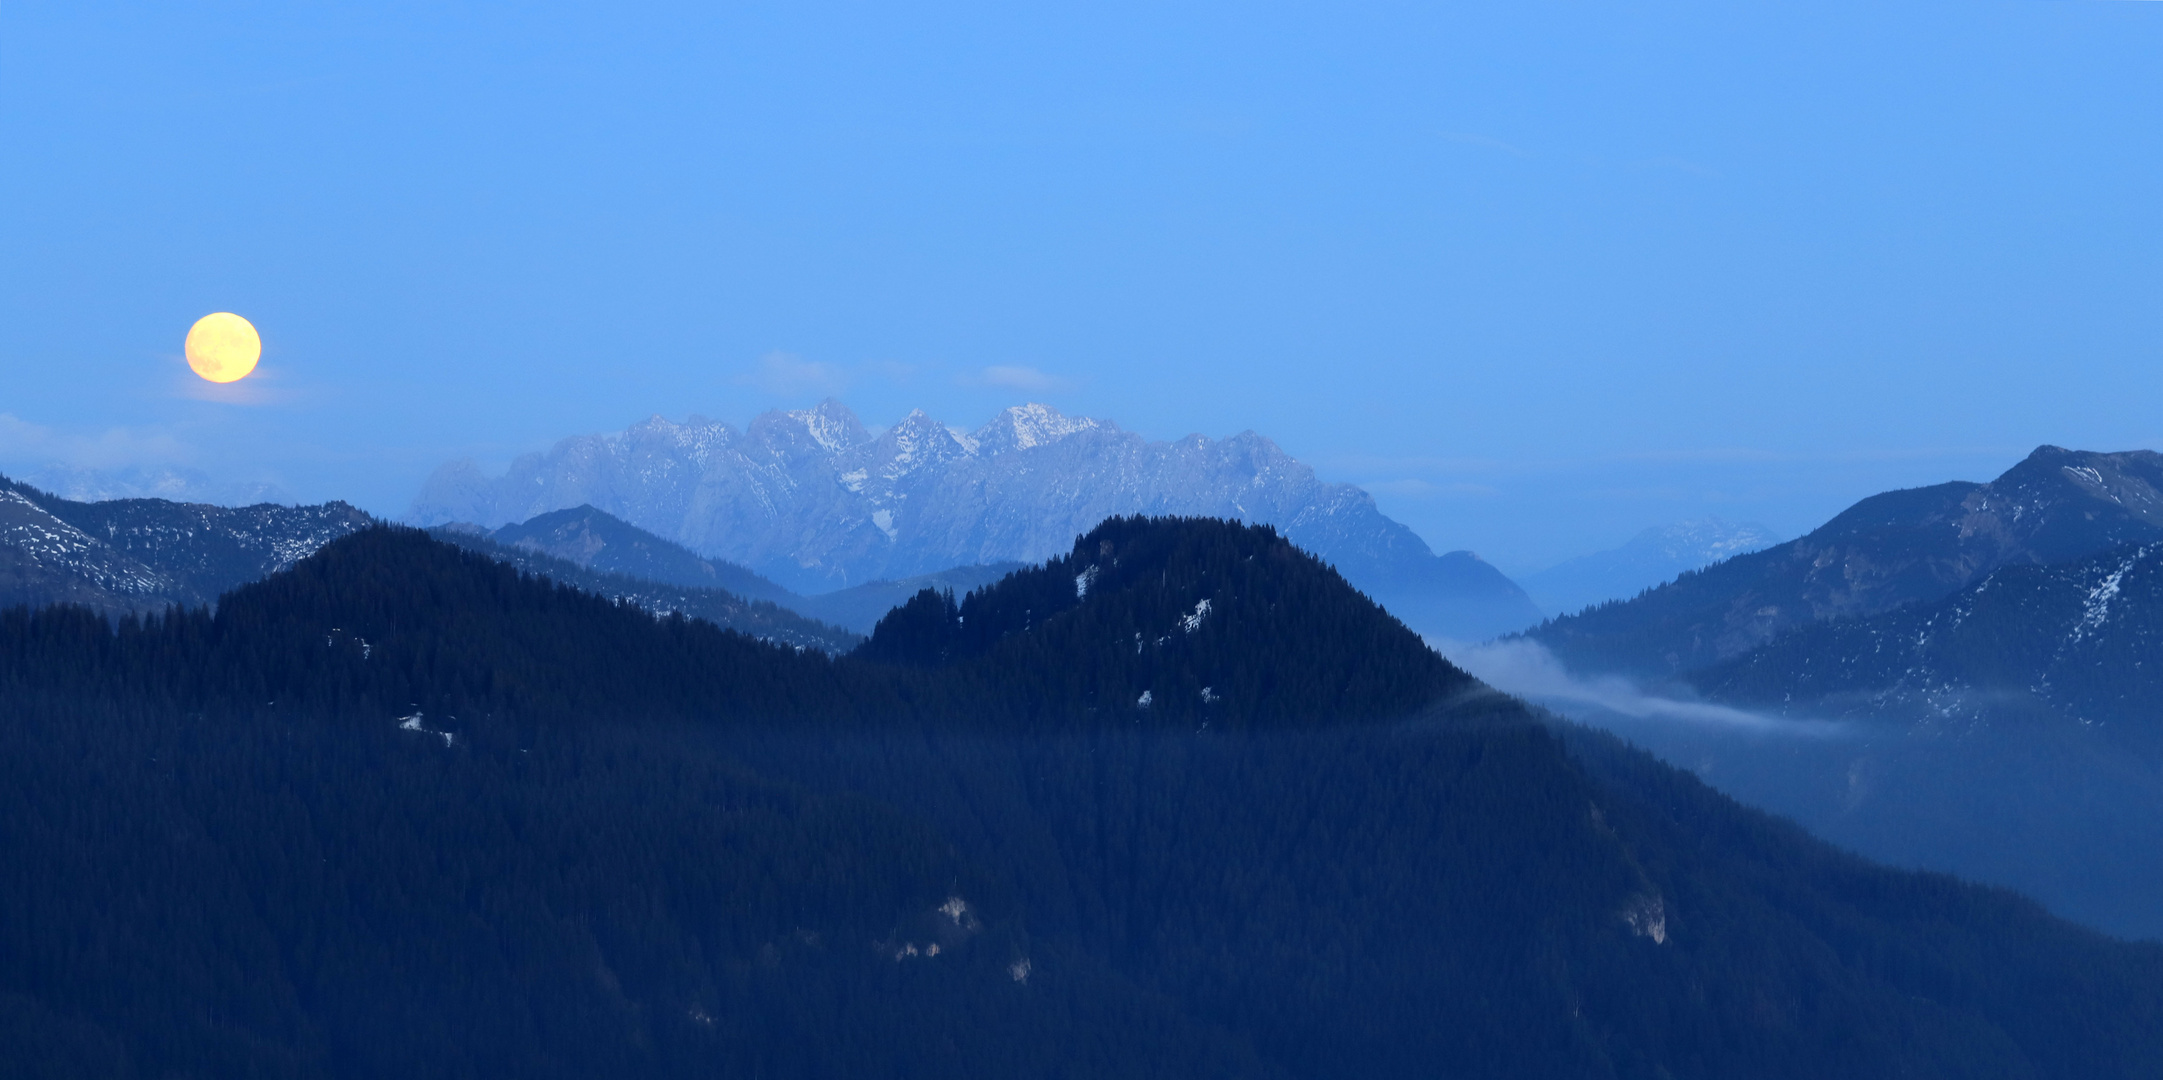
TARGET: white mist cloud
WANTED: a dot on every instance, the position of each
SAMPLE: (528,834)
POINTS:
(1528,670)
(1015,377)
(789,375)
(22,440)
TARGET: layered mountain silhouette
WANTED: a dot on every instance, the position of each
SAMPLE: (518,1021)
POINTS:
(2073,643)
(648,573)
(1889,550)
(1651,558)
(138,555)
(815,502)
(599,543)
(135,556)
(1178,802)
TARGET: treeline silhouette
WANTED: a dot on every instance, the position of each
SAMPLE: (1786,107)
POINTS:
(404,811)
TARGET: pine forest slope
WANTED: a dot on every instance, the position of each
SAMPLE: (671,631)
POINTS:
(403,810)
(1886,551)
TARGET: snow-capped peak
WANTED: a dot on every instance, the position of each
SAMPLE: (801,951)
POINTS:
(1031,425)
(830,424)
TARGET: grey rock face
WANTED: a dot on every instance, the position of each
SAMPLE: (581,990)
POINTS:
(817,503)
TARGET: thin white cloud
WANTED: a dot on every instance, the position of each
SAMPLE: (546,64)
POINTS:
(1528,670)
(24,441)
(788,375)
(1017,377)
(266,385)
(1417,488)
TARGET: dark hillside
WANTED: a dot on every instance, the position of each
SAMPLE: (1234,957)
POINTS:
(1884,552)
(403,811)
(1173,622)
(2072,644)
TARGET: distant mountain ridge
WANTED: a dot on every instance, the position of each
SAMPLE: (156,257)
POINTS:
(815,502)
(141,555)
(1650,558)
(599,543)
(1886,551)
(604,543)
(622,579)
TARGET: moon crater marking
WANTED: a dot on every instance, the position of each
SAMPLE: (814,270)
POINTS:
(223,347)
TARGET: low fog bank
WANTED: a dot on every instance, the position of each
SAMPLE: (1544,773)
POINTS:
(2068,817)
(1528,670)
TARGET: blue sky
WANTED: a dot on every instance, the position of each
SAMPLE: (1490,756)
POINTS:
(1538,274)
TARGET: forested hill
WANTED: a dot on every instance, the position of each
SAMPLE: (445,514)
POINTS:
(392,619)
(402,811)
(1152,620)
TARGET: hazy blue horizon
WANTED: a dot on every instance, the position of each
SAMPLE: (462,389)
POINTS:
(1539,276)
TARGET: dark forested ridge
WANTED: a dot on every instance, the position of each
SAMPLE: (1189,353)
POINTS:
(1147,624)
(1887,551)
(403,811)
(2071,643)
(860,607)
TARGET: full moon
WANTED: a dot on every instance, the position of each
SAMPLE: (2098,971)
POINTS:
(223,347)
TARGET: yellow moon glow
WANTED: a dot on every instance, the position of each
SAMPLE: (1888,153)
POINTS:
(223,347)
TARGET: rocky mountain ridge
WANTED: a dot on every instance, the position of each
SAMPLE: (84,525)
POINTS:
(814,501)
(142,555)
(1889,550)
(2072,642)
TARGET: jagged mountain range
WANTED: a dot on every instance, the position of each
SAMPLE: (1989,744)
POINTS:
(1889,550)
(2080,642)
(1651,558)
(815,502)
(141,555)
